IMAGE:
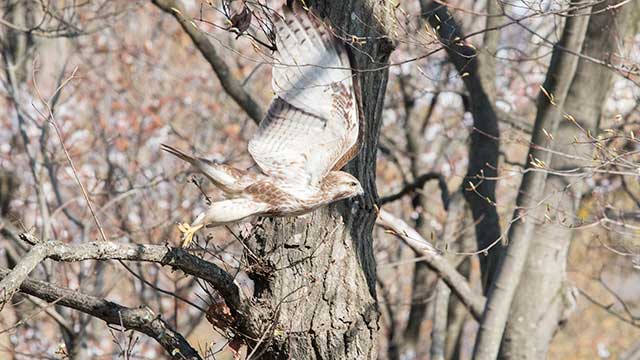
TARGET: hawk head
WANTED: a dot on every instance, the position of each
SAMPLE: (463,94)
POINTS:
(338,185)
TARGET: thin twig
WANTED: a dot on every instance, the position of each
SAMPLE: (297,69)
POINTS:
(51,119)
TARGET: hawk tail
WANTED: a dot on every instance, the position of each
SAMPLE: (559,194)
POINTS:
(227,178)
(177,153)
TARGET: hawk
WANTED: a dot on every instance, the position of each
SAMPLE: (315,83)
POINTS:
(310,132)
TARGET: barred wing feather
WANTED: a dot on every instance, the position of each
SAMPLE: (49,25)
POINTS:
(312,123)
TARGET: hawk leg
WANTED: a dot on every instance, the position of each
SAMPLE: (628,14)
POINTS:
(221,213)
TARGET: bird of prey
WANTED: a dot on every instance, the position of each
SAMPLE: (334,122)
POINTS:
(310,132)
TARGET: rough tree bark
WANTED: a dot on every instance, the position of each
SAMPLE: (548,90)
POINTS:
(543,296)
(550,101)
(317,275)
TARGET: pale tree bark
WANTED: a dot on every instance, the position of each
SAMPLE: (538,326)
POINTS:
(543,297)
(459,221)
(317,275)
(456,318)
(440,312)
(550,101)
(444,327)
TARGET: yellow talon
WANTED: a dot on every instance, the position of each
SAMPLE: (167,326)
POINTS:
(187,232)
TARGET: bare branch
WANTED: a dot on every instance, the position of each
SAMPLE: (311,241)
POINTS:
(12,281)
(418,184)
(140,319)
(231,85)
(177,258)
(447,272)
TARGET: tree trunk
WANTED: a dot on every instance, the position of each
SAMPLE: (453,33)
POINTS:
(559,75)
(316,276)
(485,136)
(543,297)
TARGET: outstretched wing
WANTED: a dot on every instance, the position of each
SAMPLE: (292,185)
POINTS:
(312,123)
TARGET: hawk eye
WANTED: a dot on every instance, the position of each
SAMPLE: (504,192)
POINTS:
(353,183)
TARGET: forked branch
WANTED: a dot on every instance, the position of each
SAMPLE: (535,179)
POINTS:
(177,258)
(140,319)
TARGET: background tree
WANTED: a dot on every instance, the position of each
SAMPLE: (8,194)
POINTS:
(505,138)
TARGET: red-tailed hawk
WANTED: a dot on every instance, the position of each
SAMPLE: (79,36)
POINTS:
(309,133)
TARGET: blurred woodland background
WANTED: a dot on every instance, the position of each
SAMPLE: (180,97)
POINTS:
(507,138)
